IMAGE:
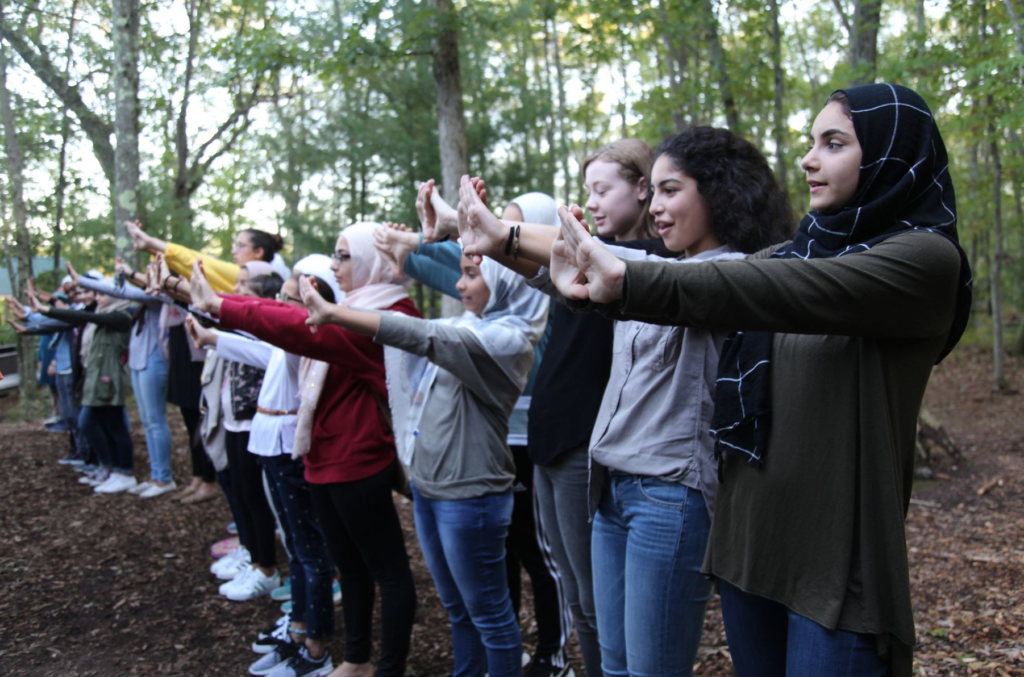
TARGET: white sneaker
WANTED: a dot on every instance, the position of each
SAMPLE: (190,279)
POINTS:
(255,584)
(94,479)
(223,588)
(229,569)
(227,560)
(155,490)
(140,487)
(116,483)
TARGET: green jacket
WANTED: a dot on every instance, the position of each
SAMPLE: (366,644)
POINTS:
(106,368)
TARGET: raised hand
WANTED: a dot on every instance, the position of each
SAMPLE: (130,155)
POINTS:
(72,272)
(318,307)
(200,335)
(152,279)
(482,233)
(587,270)
(19,328)
(16,309)
(425,210)
(120,267)
(34,303)
(395,243)
(203,297)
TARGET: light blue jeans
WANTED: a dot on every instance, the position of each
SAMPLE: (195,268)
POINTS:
(463,543)
(648,545)
(150,385)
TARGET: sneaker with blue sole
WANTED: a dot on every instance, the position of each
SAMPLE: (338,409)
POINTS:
(283,593)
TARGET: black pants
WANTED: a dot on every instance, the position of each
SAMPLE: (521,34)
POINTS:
(202,466)
(365,539)
(527,546)
(107,432)
(247,484)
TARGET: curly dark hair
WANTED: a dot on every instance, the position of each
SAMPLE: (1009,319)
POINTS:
(747,208)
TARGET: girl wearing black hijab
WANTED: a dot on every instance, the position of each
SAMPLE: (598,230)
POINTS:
(819,387)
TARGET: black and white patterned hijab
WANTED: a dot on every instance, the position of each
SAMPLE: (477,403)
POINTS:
(904,185)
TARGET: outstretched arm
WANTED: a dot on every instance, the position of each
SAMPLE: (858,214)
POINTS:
(321,312)
(484,234)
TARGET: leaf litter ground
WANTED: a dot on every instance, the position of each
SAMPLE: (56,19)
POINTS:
(115,585)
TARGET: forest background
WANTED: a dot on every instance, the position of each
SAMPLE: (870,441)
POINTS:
(205,117)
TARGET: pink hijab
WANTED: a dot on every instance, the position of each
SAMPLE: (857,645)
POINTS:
(374,286)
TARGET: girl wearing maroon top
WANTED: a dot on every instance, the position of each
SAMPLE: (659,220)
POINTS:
(351,462)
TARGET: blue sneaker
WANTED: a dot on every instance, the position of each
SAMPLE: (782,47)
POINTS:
(233,528)
(286,608)
(284,593)
(336,589)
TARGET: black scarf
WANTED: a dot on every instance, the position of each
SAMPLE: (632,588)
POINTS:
(904,184)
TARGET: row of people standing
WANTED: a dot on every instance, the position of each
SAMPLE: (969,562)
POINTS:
(684,405)
(848,318)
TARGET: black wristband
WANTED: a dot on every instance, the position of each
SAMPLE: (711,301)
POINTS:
(508,243)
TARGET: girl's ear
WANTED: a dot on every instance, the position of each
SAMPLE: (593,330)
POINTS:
(642,189)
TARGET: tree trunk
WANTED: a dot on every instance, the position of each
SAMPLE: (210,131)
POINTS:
(65,134)
(997,260)
(125,34)
(1017,36)
(721,68)
(181,220)
(864,41)
(451,124)
(563,135)
(676,72)
(23,242)
(780,119)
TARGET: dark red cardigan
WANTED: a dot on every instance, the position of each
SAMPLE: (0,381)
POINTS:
(349,440)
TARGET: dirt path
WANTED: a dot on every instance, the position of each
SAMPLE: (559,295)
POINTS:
(114,585)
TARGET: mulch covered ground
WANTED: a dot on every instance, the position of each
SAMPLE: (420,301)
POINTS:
(114,585)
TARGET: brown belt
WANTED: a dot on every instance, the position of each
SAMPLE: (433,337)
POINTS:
(271,412)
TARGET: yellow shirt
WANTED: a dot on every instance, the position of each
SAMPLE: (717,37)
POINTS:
(220,274)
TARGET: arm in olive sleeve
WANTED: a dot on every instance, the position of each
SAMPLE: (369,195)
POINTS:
(904,287)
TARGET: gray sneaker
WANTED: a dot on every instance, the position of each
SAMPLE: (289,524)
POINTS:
(303,665)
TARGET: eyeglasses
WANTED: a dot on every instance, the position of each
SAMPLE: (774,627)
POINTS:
(286,298)
(239,245)
(338,258)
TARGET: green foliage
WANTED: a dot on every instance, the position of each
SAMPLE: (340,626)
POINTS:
(345,125)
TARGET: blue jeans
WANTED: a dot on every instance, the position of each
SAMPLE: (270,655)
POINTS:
(70,413)
(766,639)
(309,563)
(150,386)
(648,545)
(463,544)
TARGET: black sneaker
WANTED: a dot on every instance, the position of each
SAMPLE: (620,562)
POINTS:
(272,635)
(270,662)
(304,665)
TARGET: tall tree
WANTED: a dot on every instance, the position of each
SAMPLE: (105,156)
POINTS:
(22,239)
(126,196)
(451,124)
(867,16)
(779,122)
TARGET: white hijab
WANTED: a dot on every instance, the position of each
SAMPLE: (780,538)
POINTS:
(538,208)
(512,323)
